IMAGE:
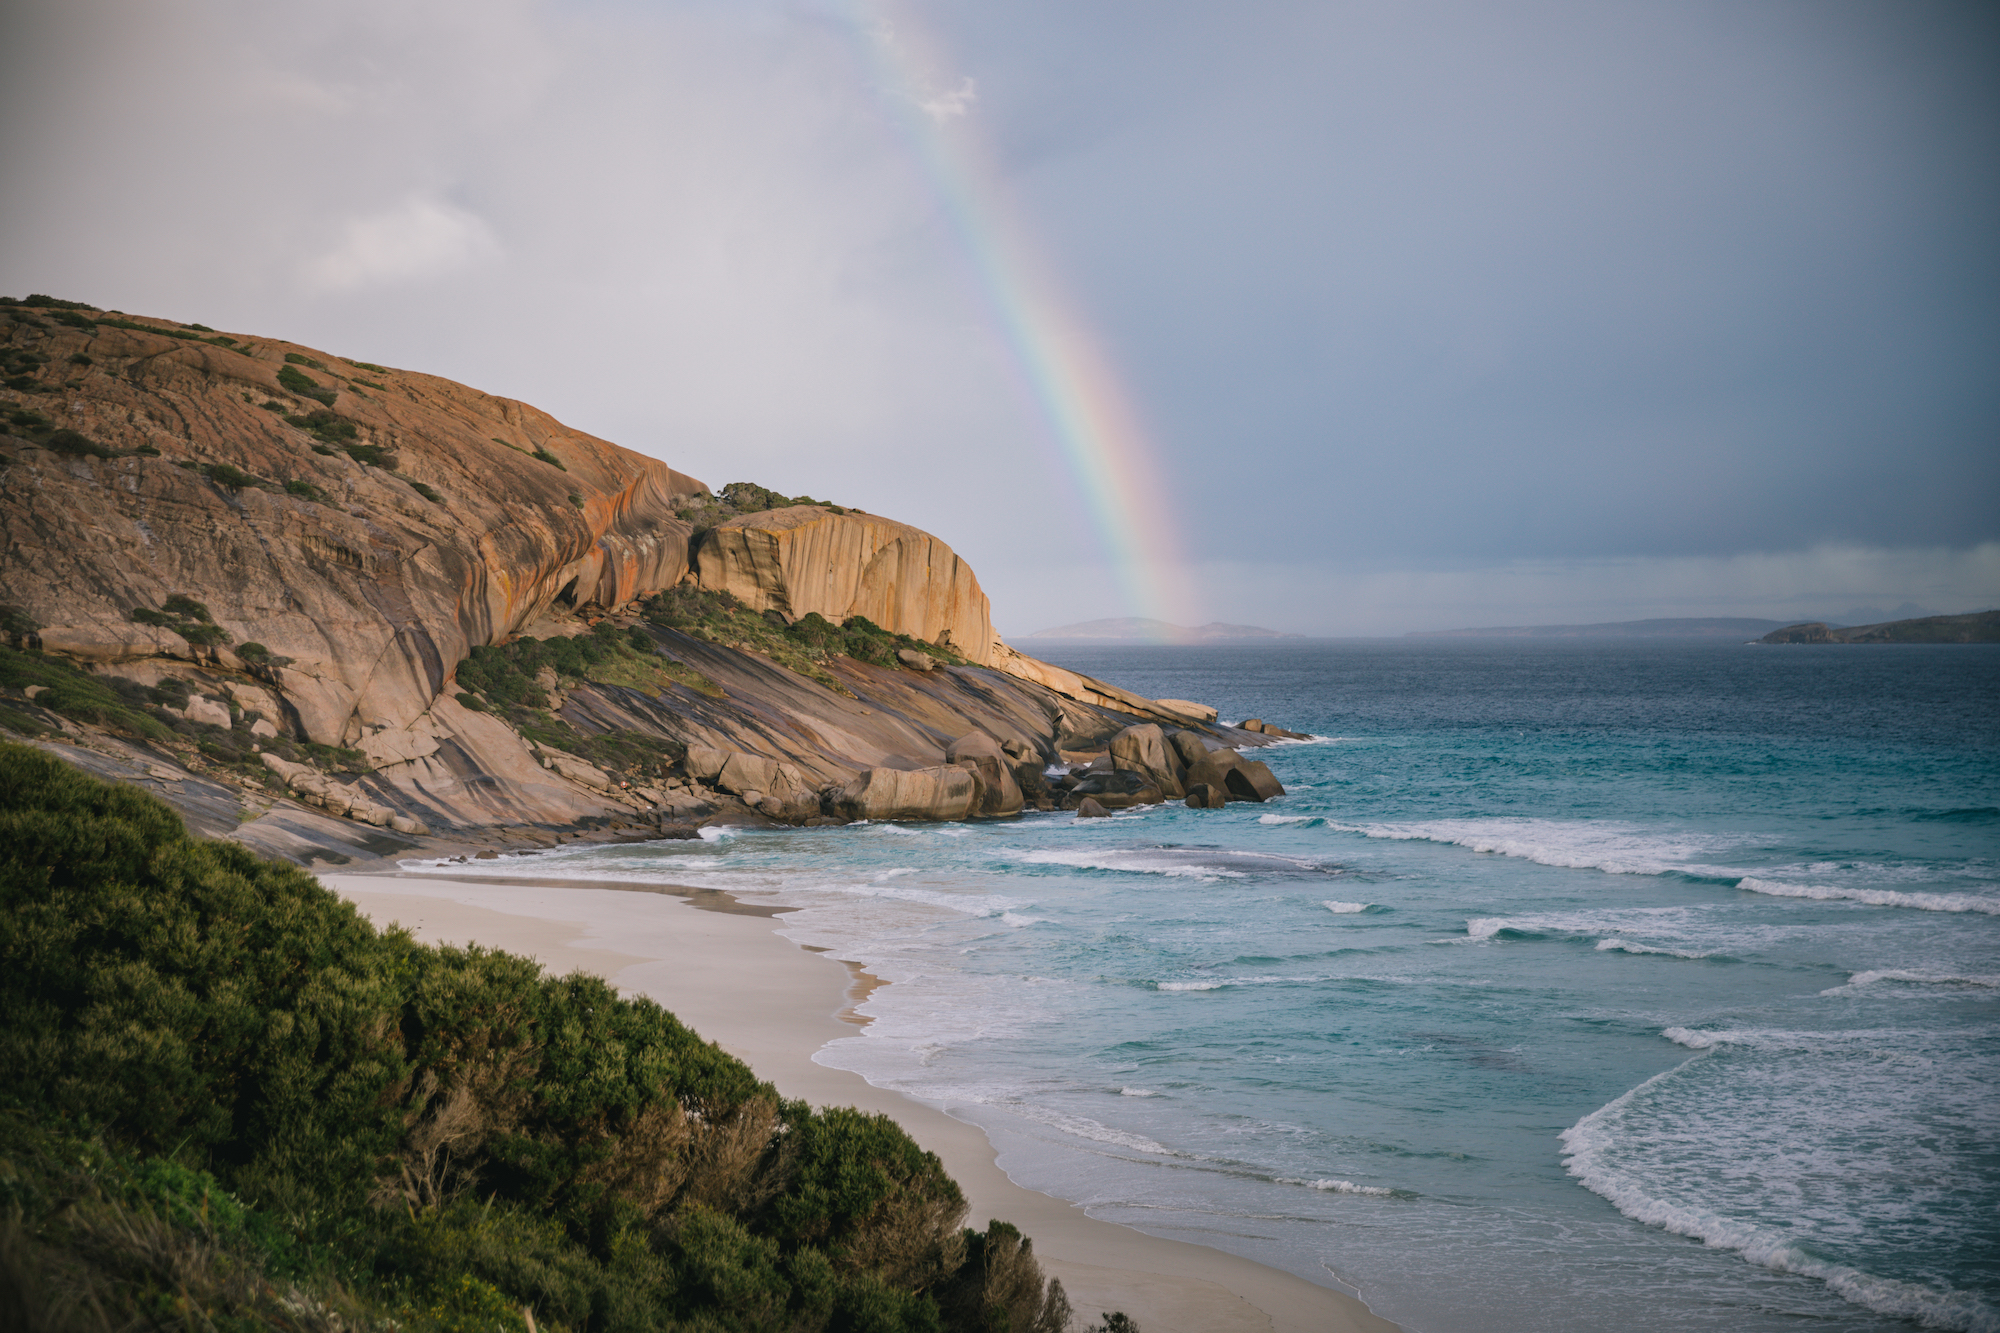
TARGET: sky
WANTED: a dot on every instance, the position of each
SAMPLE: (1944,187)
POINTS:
(1340,318)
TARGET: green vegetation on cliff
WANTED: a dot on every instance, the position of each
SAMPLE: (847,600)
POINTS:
(228,1102)
(802,645)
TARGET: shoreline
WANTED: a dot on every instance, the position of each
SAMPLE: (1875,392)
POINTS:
(693,954)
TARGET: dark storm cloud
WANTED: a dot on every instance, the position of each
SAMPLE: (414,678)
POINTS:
(1536,280)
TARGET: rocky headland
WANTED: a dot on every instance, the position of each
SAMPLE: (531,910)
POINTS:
(335,610)
(1975,627)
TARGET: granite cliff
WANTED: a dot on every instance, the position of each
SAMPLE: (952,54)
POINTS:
(295,593)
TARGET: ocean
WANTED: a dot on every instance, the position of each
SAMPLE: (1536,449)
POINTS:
(1629,985)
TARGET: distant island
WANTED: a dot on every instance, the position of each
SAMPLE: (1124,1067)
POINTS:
(1973,627)
(1137,629)
(1697,627)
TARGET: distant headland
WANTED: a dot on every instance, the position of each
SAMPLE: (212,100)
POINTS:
(1973,627)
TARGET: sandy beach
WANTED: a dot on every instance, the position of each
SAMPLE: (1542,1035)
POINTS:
(720,966)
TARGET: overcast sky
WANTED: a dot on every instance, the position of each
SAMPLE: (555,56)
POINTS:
(1436,314)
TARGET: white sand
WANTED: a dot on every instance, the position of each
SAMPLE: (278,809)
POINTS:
(772,1004)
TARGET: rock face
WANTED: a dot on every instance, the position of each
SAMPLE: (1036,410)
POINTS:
(1143,750)
(947,792)
(1201,796)
(1000,792)
(352,532)
(371,589)
(807,558)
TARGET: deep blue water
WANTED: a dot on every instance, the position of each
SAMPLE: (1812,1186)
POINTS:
(1616,985)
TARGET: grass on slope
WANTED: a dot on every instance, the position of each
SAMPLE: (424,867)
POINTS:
(802,646)
(228,1102)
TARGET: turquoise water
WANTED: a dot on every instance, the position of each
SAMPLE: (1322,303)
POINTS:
(1571,986)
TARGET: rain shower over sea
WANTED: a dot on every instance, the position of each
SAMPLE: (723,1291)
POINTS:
(1573,986)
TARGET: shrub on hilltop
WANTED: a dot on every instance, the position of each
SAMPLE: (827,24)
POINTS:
(228,1101)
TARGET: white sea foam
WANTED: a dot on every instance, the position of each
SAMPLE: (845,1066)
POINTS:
(1614,921)
(1189,985)
(1627,946)
(1344,909)
(1083,1127)
(1139,1092)
(1860,980)
(713,833)
(1307,821)
(1132,862)
(1347,1187)
(1017,920)
(1927,902)
(1616,848)
(1588,1147)
(1794,1039)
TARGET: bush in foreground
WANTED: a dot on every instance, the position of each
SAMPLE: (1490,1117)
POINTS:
(228,1101)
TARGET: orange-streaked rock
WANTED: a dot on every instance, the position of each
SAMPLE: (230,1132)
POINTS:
(808,558)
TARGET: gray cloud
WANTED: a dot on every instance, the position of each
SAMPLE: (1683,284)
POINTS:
(1414,297)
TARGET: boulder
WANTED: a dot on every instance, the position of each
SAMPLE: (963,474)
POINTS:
(743,773)
(1090,809)
(704,762)
(1258,724)
(895,793)
(1000,792)
(1239,778)
(1255,780)
(1117,791)
(208,711)
(1188,708)
(1143,750)
(1201,796)
(262,729)
(915,660)
(575,769)
(759,781)
(1191,747)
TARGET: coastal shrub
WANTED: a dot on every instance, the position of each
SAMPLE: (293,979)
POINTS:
(295,359)
(180,604)
(421,489)
(43,301)
(370,365)
(373,455)
(137,327)
(77,445)
(81,359)
(576,500)
(305,386)
(28,417)
(305,490)
(329,427)
(75,320)
(549,458)
(234,478)
(504,679)
(371,384)
(16,625)
(78,695)
(226,1097)
(802,646)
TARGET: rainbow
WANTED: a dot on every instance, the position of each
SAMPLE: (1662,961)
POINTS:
(1079,393)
